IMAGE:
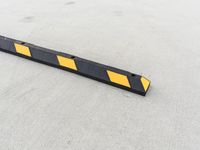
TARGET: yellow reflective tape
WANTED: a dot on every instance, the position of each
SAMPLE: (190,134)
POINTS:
(21,49)
(145,83)
(118,78)
(66,62)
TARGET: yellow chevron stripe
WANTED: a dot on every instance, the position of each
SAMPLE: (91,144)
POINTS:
(145,83)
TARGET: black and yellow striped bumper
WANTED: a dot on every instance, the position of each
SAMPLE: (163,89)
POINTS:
(103,73)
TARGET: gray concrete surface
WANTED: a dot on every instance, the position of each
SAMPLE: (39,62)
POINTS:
(43,108)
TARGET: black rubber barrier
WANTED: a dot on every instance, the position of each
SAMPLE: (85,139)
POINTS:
(103,73)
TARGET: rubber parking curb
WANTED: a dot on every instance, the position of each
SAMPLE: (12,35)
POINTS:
(103,73)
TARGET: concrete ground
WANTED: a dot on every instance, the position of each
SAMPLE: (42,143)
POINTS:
(43,108)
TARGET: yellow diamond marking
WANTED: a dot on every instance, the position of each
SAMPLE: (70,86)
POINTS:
(66,62)
(118,78)
(21,49)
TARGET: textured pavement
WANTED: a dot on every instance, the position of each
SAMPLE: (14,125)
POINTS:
(45,108)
